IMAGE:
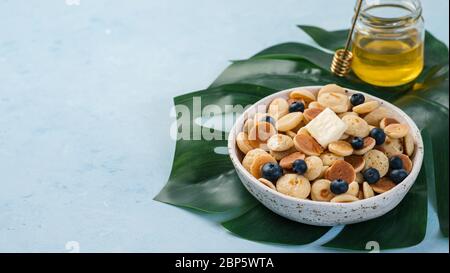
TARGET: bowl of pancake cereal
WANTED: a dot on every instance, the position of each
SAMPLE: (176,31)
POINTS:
(326,155)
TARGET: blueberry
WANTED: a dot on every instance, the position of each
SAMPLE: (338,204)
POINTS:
(379,135)
(357,99)
(299,166)
(269,119)
(339,186)
(357,143)
(296,107)
(396,163)
(371,175)
(272,171)
(398,175)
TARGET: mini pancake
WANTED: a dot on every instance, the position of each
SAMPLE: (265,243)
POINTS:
(377,160)
(243,143)
(387,121)
(280,143)
(367,190)
(278,108)
(356,161)
(391,147)
(250,157)
(408,143)
(344,198)
(369,144)
(267,183)
(341,170)
(258,162)
(331,88)
(302,94)
(260,133)
(366,108)
(340,148)
(289,121)
(312,113)
(286,162)
(307,145)
(329,158)
(374,118)
(353,189)
(383,185)
(396,130)
(407,163)
(280,155)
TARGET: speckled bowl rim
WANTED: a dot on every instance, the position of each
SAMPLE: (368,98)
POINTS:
(417,161)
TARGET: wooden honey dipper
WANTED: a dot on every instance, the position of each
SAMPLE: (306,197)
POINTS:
(342,60)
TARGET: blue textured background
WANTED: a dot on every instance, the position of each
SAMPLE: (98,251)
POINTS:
(85,94)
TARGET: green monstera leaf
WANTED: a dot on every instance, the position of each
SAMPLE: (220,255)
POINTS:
(203,178)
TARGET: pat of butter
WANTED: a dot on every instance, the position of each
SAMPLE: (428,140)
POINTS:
(327,127)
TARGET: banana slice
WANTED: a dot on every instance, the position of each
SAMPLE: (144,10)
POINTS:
(396,130)
(311,114)
(280,143)
(408,142)
(289,121)
(320,191)
(391,147)
(280,155)
(316,105)
(329,158)
(307,145)
(243,143)
(344,198)
(367,190)
(387,121)
(353,189)
(286,162)
(366,108)
(294,185)
(356,161)
(369,144)
(359,178)
(267,183)
(258,162)
(407,163)
(383,185)
(356,126)
(377,160)
(250,157)
(341,170)
(315,166)
(326,127)
(337,102)
(374,118)
(331,88)
(248,125)
(278,108)
(340,148)
(302,94)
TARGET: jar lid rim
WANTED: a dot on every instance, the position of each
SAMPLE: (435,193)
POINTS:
(413,15)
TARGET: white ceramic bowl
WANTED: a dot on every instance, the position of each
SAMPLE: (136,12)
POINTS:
(324,213)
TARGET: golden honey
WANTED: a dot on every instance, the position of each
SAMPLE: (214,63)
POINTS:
(387,62)
(388,42)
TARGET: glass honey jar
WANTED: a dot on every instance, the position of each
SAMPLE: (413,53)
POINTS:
(388,42)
